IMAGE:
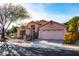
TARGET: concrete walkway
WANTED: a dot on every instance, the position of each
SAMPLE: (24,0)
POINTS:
(53,40)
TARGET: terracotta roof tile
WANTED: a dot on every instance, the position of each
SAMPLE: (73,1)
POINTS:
(53,22)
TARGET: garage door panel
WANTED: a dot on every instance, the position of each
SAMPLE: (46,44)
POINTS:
(51,34)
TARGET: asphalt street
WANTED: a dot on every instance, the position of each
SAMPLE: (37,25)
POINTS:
(31,51)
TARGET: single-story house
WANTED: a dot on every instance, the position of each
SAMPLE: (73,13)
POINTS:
(46,29)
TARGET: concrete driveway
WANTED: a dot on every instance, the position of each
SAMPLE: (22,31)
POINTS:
(39,48)
(60,41)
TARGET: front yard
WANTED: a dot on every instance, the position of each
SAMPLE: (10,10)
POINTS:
(38,48)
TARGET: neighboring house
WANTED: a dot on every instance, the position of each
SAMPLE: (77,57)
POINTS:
(46,30)
(21,31)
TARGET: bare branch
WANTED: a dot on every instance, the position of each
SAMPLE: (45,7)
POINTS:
(11,19)
(0,27)
(1,19)
(8,25)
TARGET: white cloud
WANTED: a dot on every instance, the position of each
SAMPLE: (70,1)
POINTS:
(38,12)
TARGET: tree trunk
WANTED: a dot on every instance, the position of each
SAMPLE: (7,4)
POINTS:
(3,35)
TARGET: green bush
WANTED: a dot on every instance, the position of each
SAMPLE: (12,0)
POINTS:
(70,37)
(30,37)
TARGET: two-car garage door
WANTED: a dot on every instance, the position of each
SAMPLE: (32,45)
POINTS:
(51,34)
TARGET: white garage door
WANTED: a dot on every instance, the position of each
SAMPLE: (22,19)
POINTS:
(51,34)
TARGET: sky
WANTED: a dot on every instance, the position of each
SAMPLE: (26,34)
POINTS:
(59,12)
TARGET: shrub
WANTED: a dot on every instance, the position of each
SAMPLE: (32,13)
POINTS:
(78,35)
(29,37)
(70,37)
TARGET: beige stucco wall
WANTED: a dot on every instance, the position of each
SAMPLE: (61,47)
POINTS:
(18,32)
(27,31)
(36,25)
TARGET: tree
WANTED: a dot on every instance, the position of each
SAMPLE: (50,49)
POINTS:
(72,24)
(10,13)
(13,29)
(72,35)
